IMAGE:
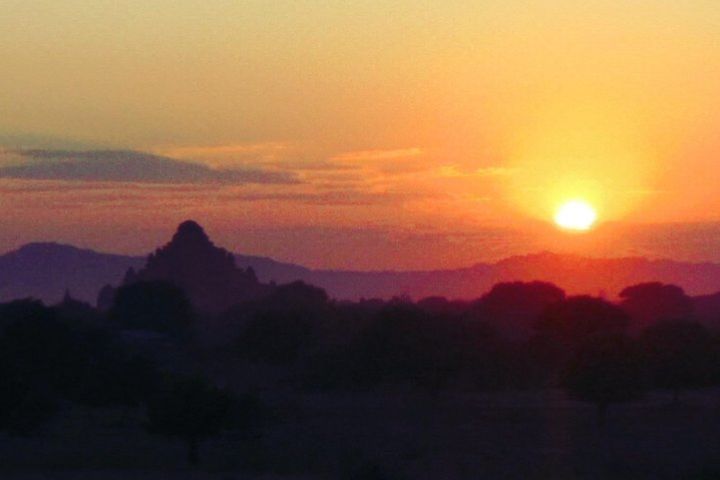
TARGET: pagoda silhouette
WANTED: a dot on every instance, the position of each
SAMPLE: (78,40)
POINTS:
(207,273)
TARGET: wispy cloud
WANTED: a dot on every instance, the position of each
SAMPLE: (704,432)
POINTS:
(235,148)
(277,156)
(265,151)
(329,198)
(453,171)
(375,155)
(11,186)
(385,162)
(131,167)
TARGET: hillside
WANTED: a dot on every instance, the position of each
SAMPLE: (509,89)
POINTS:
(47,270)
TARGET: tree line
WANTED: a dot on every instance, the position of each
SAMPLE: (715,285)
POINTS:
(517,336)
(520,335)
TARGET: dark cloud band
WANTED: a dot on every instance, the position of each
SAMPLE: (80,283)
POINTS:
(131,166)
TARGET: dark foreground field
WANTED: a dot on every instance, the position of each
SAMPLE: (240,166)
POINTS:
(403,436)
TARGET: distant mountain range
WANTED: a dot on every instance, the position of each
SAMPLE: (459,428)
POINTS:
(47,270)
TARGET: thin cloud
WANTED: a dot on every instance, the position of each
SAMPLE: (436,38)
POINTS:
(317,166)
(212,150)
(331,198)
(9,186)
(376,155)
(227,156)
(131,167)
(452,171)
(276,156)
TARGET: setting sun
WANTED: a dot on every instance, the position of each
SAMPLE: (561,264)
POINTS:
(576,215)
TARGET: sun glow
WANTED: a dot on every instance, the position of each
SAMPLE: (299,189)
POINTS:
(576,215)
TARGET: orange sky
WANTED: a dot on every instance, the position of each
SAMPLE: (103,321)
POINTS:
(405,134)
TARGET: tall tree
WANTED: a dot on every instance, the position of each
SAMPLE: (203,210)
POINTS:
(190,409)
(157,306)
(647,303)
(514,307)
(680,355)
(565,326)
(607,369)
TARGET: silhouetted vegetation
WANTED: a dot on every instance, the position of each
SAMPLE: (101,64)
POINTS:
(176,370)
(681,355)
(284,325)
(648,303)
(606,369)
(25,405)
(189,409)
(515,306)
(565,326)
(157,306)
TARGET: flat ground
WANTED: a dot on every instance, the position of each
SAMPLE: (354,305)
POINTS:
(535,435)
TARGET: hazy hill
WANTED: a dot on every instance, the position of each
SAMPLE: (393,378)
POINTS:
(575,274)
(46,270)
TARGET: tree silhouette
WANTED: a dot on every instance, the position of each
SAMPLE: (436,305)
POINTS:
(157,306)
(647,303)
(281,327)
(43,350)
(442,306)
(190,409)
(607,369)
(36,360)
(114,378)
(299,295)
(514,307)
(54,354)
(75,311)
(22,310)
(405,344)
(567,325)
(24,405)
(681,355)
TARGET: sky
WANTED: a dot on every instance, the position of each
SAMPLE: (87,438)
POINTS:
(362,134)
